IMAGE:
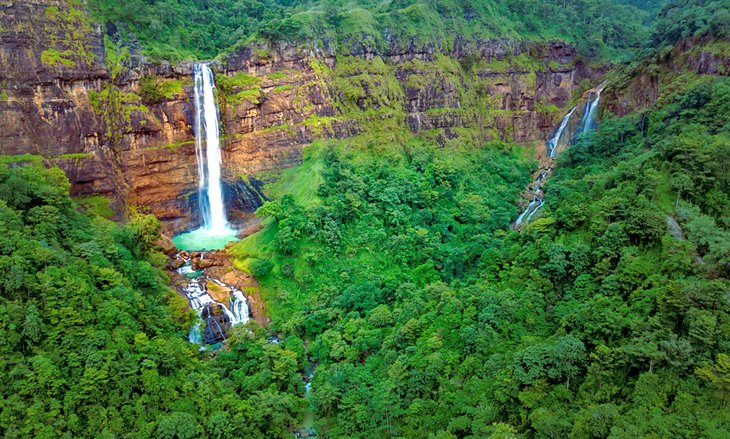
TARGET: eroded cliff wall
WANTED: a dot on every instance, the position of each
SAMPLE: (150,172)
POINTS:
(124,128)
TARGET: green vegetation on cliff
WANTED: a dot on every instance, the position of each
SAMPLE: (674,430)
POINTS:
(387,261)
(195,29)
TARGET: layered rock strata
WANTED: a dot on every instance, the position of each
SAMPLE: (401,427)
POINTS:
(137,147)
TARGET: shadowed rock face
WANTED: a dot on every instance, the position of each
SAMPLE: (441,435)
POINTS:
(46,108)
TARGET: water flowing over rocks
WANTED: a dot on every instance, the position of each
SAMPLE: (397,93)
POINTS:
(578,121)
(221,295)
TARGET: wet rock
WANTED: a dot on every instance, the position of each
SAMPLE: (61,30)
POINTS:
(167,246)
(217,324)
(202,264)
(174,264)
(219,293)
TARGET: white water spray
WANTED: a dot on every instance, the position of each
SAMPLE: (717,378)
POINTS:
(207,147)
(214,232)
(236,309)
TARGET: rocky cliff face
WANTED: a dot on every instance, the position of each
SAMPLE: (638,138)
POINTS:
(129,135)
(640,87)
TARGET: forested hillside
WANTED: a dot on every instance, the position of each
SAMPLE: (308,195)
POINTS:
(92,341)
(607,316)
(193,28)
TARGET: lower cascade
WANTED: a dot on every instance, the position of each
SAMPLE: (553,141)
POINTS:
(587,123)
(214,232)
(219,306)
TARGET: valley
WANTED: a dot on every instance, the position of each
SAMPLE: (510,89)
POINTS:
(447,219)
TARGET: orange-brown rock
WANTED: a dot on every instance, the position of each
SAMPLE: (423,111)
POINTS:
(150,162)
(642,86)
(219,293)
(167,246)
(247,284)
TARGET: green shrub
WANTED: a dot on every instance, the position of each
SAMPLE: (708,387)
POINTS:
(260,267)
(153,90)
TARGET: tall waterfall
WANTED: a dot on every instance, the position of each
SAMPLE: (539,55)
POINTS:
(207,147)
(587,123)
(214,232)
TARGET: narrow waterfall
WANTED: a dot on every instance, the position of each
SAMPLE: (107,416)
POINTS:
(214,232)
(208,149)
(588,121)
(535,203)
(552,144)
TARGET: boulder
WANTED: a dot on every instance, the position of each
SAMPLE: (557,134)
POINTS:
(166,245)
(219,293)
(174,264)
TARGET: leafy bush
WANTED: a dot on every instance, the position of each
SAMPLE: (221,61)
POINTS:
(153,89)
(260,267)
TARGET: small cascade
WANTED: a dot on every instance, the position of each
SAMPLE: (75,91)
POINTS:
(214,232)
(536,202)
(526,212)
(539,206)
(216,318)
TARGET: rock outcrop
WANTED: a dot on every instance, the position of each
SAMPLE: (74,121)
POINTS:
(641,86)
(137,147)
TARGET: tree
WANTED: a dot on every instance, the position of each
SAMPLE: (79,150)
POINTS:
(682,183)
(717,375)
(270,209)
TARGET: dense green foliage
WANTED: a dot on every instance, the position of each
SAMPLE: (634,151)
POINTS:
(202,29)
(691,18)
(92,342)
(426,315)
(387,260)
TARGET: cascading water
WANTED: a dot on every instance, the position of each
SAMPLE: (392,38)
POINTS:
(587,123)
(552,144)
(215,317)
(209,152)
(214,232)
(535,204)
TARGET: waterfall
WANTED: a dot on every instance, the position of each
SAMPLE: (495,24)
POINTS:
(588,122)
(552,144)
(526,212)
(539,206)
(536,203)
(207,329)
(239,305)
(207,148)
